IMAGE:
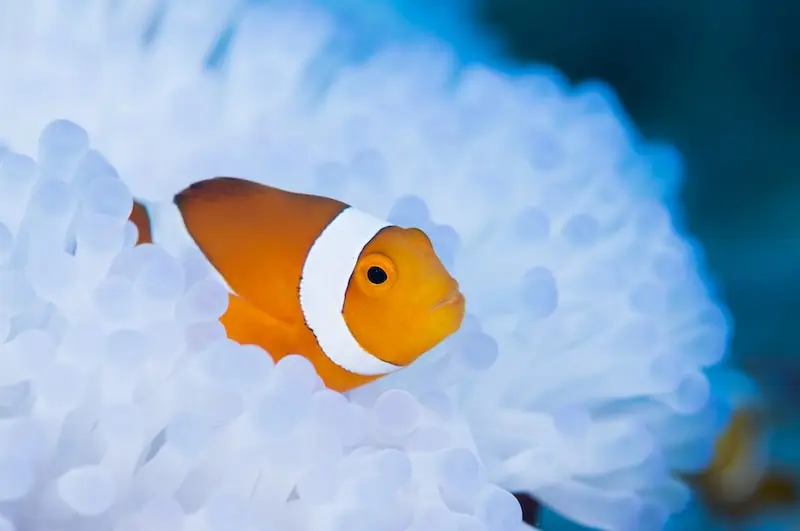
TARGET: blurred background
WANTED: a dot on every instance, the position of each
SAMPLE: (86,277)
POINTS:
(720,80)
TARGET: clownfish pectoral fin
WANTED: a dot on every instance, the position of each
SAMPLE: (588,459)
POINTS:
(141,219)
(248,325)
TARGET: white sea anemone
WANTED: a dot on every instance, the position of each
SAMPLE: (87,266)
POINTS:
(578,375)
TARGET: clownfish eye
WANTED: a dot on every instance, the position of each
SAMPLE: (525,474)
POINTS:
(376,275)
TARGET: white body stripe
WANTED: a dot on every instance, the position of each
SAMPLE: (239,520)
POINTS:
(326,275)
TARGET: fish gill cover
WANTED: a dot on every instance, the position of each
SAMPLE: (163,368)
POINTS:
(578,375)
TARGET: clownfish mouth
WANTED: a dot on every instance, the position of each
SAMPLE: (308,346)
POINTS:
(451,298)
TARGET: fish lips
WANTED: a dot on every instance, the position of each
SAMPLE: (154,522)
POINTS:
(453,297)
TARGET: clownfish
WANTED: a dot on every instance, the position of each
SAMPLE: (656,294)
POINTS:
(739,483)
(310,275)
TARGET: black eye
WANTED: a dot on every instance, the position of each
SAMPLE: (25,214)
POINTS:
(376,275)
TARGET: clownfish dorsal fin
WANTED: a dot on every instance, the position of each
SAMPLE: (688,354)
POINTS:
(257,237)
(216,189)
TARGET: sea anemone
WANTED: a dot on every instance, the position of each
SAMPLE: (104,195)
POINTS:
(578,375)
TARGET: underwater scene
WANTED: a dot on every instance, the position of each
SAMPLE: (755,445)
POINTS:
(394,265)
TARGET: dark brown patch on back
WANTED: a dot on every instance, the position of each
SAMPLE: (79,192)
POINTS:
(217,187)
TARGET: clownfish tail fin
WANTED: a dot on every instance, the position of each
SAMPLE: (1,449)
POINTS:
(140,217)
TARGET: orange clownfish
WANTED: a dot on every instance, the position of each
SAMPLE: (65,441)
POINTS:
(309,275)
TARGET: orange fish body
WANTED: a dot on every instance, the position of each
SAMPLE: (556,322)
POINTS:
(313,276)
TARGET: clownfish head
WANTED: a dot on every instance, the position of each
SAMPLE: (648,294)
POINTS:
(400,300)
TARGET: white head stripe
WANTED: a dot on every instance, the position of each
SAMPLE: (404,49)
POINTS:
(326,275)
